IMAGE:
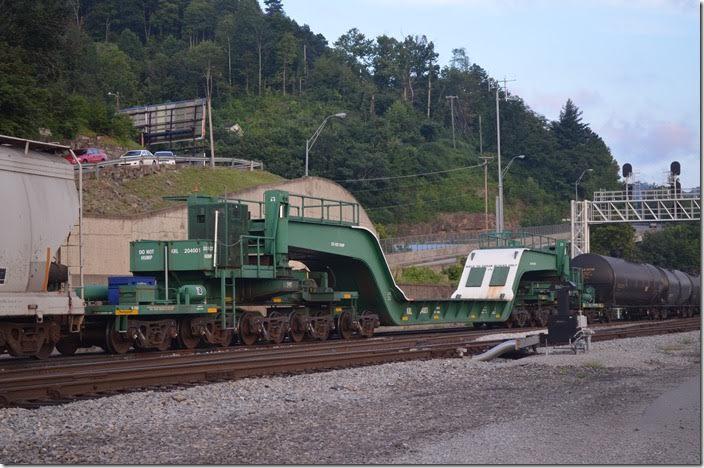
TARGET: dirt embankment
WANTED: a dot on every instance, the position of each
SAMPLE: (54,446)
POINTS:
(449,222)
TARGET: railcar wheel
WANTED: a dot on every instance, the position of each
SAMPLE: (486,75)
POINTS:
(116,342)
(522,318)
(541,317)
(510,322)
(297,329)
(663,314)
(345,325)
(322,330)
(248,330)
(44,351)
(278,327)
(224,337)
(68,345)
(165,345)
(368,322)
(186,339)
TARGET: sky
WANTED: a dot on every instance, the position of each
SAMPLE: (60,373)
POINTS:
(631,66)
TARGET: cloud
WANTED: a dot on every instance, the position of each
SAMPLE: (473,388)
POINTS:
(550,104)
(652,145)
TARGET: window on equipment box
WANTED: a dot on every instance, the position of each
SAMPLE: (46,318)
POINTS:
(498,278)
(476,276)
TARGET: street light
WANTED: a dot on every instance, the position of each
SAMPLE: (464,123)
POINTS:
(520,156)
(500,204)
(117,98)
(311,141)
(576,184)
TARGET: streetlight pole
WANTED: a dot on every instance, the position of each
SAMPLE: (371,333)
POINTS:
(500,210)
(117,99)
(311,141)
(576,184)
(499,214)
(520,156)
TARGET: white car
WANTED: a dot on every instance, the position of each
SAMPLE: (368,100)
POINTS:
(164,157)
(137,158)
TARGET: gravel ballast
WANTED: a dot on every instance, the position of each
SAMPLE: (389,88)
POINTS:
(633,400)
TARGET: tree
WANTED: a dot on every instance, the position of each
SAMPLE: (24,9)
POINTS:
(460,60)
(614,240)
(274,7)
(199,18)
(676,246)
(115,73)
(166,19)
(287,48)
(226,29)
(569,129)
(251,16)
(356,48)
(204,59)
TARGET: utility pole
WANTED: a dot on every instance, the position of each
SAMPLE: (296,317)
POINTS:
(430,76)
(500,211)
(452,113)
(305,61)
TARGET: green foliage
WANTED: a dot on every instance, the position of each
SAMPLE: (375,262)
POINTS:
(614,240)
(677,246)
(454,271)
(420,275)
(61,59)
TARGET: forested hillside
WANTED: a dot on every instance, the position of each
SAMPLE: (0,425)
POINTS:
(277,80)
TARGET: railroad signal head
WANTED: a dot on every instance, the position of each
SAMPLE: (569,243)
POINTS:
(627,170)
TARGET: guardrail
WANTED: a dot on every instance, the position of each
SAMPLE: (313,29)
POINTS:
(441,241)
(233,163)
(663,193)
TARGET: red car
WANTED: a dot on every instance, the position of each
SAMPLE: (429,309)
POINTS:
(87,155)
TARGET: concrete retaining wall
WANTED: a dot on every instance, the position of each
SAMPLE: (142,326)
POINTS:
(427,291)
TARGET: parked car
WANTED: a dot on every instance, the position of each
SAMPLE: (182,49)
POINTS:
(165,157)
(137,158)
(87,156)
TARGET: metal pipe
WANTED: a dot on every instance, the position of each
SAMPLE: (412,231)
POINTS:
(500,208)
(166,273)
(80,219)
(496,351)
(215,240)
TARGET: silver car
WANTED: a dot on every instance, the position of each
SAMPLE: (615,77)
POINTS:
(137,158)
(164,157)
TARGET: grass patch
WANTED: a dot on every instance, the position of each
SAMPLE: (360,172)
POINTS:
(421,275)
(594,365)
(110,196)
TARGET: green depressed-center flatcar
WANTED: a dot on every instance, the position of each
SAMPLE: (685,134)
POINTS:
(233,277)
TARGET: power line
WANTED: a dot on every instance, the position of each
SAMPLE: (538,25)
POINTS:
(421,174)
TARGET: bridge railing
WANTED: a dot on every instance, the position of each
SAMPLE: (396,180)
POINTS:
(232,163)
(450,239)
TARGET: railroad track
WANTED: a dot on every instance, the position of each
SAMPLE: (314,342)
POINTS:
(60,380)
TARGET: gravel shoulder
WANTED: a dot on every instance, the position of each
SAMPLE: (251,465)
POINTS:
(634,400)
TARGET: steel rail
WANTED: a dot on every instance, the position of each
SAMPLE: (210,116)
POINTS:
(63,379)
